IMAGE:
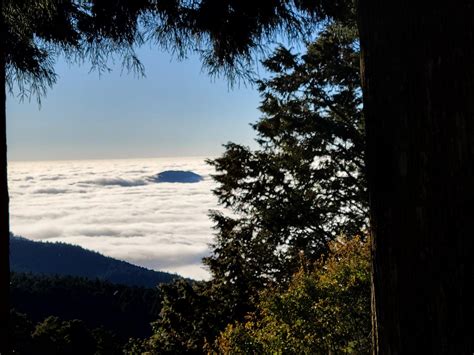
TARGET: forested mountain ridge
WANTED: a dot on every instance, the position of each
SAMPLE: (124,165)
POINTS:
(66,259)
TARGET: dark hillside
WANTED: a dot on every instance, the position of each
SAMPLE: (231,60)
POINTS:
(65,259)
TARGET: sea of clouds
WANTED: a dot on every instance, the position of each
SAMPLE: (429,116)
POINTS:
(113,207)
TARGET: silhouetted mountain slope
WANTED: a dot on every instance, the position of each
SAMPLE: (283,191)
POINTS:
(65,259)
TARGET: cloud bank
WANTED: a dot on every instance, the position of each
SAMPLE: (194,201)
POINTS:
(115,208)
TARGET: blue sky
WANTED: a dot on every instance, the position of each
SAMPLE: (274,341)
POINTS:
(176,110)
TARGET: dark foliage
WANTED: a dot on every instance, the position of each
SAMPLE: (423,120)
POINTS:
(190,316)
(126,311)
(54,336)
(225,33)
(66,259)
(20,330)
(36,32)
(59,337)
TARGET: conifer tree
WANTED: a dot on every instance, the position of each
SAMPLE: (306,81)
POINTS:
(305,185)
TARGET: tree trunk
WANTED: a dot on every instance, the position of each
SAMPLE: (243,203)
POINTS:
(4,216)
(418,83)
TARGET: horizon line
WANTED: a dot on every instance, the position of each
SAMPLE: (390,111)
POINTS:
(115,158)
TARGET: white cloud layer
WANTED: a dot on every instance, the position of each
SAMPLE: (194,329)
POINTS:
(113,207)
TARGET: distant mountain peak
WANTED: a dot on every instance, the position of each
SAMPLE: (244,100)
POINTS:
(177,176)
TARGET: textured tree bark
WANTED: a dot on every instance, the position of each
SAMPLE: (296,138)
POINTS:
(4,216)
(418,83)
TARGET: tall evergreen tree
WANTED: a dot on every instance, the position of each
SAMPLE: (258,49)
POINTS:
(305,185)
(418,83)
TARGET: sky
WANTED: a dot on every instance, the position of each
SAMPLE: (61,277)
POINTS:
(176,110)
